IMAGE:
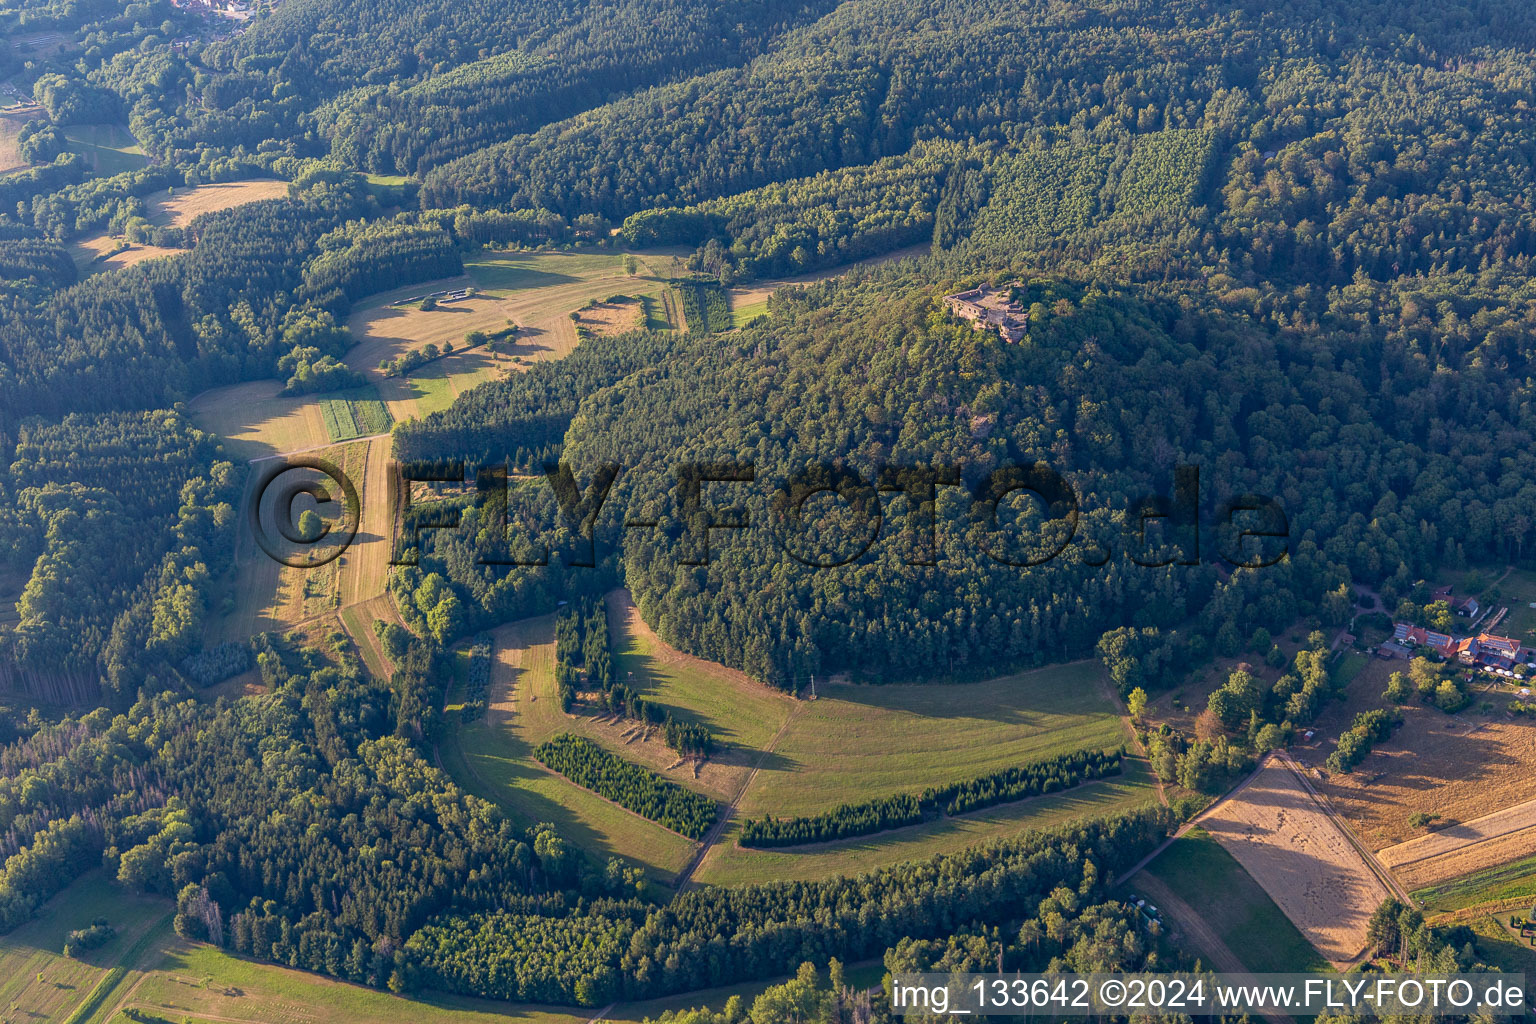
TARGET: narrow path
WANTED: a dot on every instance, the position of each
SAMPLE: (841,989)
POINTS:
(1193,925)
(713,835)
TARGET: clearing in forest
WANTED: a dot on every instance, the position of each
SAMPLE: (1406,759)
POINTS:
(617,314)
(493,758)
(106,148)
(102,252)
(256,420)
(179,207)
(10,149)
(267,596)
(1292,847)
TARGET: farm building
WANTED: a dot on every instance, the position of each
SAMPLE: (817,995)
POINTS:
(1484,650)
(1466,607)
(986,307)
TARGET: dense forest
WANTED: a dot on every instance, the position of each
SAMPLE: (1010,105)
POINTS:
(1289,247)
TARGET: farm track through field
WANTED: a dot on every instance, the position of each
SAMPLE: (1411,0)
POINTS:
(713,835)
(1193,925)
(1371,861)
(1191,823)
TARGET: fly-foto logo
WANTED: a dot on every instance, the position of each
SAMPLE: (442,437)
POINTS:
(821,517)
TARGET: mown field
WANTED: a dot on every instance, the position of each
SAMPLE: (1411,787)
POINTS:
(493,757)
(179,207)
(38,983)
(853,743)
(741,713)
(729,864)
(269,596)
(857,742)
(106,148)
(1233,905)
(10,150)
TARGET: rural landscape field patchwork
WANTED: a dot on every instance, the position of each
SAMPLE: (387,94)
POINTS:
(696,512)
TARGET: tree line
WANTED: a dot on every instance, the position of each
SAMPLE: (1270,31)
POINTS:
(1013,783)
(628,785)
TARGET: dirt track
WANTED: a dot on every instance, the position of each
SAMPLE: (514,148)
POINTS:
(1289,844)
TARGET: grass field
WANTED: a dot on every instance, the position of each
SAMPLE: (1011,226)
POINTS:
(741,315)
(853,743)
(493,757)
(106,148)
(90,254)
(729,864)
(1233,905)
(862,741)
(37,982)
(1505,882)
(744,715)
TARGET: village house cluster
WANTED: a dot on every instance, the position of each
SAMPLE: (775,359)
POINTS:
(991,308)
(1485,650)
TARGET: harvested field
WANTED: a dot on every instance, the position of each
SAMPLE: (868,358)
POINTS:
(1290,845)
(256,421)
(364,568)
(1458,767)
(609,318)
(1493,839)
(10,127)
(179,207)
(89,254)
